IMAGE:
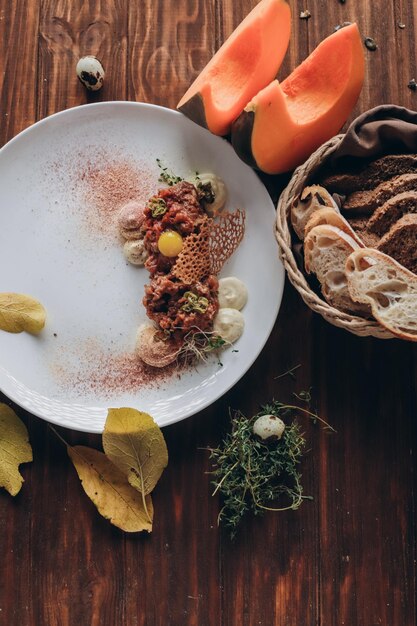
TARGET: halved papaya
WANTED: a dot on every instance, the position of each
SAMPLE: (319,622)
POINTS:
(246,62)
(284,123)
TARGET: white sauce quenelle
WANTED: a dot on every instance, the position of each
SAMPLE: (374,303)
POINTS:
(233,293)
(218,188)
(134,251)
(229,324)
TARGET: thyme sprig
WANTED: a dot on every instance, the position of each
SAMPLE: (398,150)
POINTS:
(166,176)
(289,372)
(250,475)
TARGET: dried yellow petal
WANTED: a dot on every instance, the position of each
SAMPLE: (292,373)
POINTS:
(135,443)
(19,312)
(14,449)
(110,491)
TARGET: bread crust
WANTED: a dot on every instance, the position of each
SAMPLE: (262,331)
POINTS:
(312,198)
(331,218)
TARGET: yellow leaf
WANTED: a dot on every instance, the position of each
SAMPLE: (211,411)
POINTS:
(14,449)
(135,443)
(109,490)
(19,312)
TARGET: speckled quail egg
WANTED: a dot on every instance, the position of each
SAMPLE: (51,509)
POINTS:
(91,73)
(268,427)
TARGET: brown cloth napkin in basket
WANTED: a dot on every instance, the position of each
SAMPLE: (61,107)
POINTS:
(386,129)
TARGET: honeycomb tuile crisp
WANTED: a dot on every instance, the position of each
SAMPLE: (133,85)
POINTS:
(206,251)
(225,237)
(193,262)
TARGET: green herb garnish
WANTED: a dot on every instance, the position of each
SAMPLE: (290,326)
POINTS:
(215,342)
(194,303)
(206,193)
(166,176)
(250,474)
(158,206)
(201,344)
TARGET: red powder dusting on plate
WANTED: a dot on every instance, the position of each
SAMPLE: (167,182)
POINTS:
(108,374)
(101,182)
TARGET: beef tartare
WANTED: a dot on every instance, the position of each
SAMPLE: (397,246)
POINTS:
(177,307)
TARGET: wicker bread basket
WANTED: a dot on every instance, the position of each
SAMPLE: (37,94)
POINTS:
(300,178)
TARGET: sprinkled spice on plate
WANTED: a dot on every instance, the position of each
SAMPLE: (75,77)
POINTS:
(104,374)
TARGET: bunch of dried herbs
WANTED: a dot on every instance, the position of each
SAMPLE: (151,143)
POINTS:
(251,474)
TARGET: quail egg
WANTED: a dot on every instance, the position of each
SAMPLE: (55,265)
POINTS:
(90,73)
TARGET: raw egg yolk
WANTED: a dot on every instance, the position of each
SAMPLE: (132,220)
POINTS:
(170,243)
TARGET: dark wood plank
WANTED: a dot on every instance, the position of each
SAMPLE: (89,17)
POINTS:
(169,43)
(366,478)
(348,557)
(70,30)
(19,22)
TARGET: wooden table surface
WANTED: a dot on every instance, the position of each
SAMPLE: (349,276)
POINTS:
(346,558)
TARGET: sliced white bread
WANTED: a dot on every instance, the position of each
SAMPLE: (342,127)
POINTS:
(311,199)
(374,278)
(329,216)
(326,249)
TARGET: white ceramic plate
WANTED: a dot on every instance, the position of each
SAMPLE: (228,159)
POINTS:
(57,246)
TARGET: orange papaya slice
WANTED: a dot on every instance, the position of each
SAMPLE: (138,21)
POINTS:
(246,62)
(284,123)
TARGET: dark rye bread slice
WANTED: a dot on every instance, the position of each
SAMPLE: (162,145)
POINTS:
(400,242)
(371,175)
(359,225)
(391,211)
(365,202)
